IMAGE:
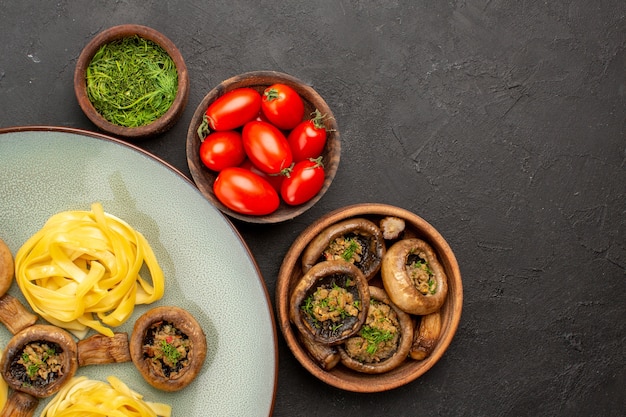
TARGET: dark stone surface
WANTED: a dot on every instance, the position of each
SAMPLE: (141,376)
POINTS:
(500,122)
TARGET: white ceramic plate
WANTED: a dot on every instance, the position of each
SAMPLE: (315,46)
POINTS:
(208,268)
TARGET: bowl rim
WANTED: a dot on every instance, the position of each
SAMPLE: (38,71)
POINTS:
(251,79)
(160,125)
(368,383)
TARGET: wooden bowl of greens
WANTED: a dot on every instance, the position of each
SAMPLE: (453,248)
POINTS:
(131,81)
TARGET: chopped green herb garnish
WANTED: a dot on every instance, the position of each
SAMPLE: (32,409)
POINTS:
(432,286)
(423,265)
(374,337)
(353,246)
(307,306)
(131,81)
(32,370)
(48,354)
(170,352)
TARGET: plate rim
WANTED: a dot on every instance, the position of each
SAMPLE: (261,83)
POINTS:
(180,175)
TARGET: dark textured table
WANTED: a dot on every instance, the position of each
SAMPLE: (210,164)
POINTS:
(502,123)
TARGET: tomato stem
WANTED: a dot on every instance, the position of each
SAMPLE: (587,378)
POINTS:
(318,162)
(203,129)
(271,94)
(317,118)
(287,171)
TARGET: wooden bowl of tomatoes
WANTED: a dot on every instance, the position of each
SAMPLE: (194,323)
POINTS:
(263,147)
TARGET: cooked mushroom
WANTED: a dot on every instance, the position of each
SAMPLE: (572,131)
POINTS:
(39,360)
(330,301)
(426,336)
(392,227)
(7,268)
(99,349)
(168,347)
(384,340)
(358,241)
(20,404)
(14,315)
(413,277)
(326,356)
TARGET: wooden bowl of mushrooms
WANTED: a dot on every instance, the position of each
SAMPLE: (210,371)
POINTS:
(369,297)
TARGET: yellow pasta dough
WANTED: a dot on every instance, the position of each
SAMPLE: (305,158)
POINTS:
(86,398)
(82,270)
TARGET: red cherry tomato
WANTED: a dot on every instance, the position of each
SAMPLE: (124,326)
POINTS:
(308,138)
(245,192)
(233,109)
(275,180)
(267,147)
(222,149)
(282,106)
(304,182)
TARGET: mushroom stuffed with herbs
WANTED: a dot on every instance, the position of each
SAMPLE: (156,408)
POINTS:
(330,302)
(358,241)
(39,360)
(168,347)
(384,340)
(413,277)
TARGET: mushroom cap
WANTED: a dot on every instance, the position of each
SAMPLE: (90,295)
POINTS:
(371,258)
(399,285)
(40,333)
(404,345)
(328,274)
(187,324)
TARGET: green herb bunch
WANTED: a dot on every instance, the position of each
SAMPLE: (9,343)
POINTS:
(132,81)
